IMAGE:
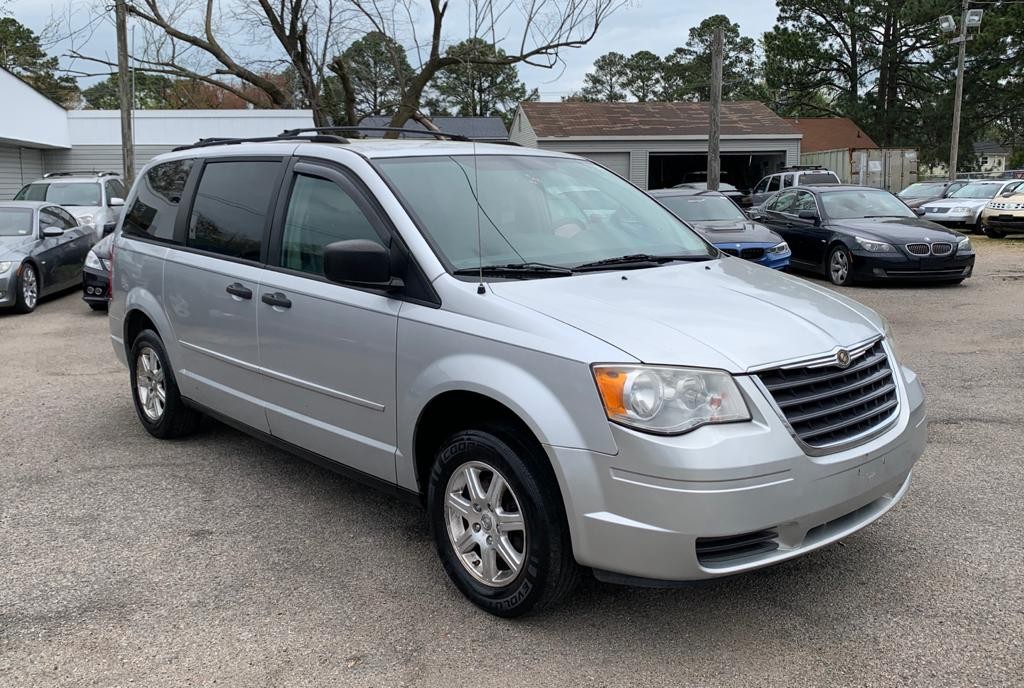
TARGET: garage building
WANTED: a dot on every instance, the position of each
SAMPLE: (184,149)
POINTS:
(657,145)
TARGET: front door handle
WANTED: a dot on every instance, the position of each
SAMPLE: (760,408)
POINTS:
(277,300)
(239,290)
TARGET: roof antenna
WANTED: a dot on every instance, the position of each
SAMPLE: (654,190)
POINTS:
(479,240)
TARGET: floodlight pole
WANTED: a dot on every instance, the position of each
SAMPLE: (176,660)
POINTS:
(954,145)
(124,92)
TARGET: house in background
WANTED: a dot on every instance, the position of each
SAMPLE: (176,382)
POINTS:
(482,129)
(830,133)
(656,145)
(991,156)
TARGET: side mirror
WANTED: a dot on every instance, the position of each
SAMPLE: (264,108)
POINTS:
(809,215)
(115,202)
(360,263)
(49,232)
(919,211)
(109,228)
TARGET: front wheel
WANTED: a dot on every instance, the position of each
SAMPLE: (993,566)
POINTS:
(994,233)
(498,522)
(155,391)
(840,266)
(27,295)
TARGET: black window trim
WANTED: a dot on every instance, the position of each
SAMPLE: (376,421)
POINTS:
(188,199)
(349,182)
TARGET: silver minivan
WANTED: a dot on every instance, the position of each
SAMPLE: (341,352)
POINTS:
(564,374)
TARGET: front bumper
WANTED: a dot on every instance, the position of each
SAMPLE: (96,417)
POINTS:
(776,261)
(9,287)
(898,266)
(95,285)
(1005,222)
(639,514)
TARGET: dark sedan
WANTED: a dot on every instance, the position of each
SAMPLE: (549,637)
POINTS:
(720,221)
(96,274)
(919,193)
(855,233)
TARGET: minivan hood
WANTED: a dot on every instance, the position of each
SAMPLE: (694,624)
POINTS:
(726,313)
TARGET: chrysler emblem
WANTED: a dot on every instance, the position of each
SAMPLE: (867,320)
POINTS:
(843,358)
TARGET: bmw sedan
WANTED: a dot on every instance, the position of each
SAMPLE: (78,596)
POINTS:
(721,222)
(855,233)
(42,250)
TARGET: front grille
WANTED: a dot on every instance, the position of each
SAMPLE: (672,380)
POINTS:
(752,253)
(827,405)
(731,252)
(928,274)
(716,551)
(942,249)
(999,205)
(918,249)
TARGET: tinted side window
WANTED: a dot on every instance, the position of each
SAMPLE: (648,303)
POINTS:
(67,220)
(782,203)
(761,186)
(773,183)
(230,208)
(787,180)
(48,218)
(155,207)
(115,189)
(319,213)
(32,192)
(804,201)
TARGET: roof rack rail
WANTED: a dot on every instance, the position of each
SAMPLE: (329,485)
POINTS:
(80,173)
(799,168)
(223,141)
(440,135)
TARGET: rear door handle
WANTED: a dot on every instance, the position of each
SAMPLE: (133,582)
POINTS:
(277,300)
(239,290)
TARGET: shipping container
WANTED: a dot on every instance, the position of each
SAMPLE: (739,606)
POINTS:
(893,169)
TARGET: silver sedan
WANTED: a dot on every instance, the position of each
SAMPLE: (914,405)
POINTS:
(42,251)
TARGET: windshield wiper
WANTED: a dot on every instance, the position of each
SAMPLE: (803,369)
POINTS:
(517,270)
(637,260)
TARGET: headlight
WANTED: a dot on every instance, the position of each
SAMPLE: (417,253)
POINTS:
(962,210)
(668,401)
(85,219)
(5,267)
(779,248)
(964,246)
(874,246)
(93,261)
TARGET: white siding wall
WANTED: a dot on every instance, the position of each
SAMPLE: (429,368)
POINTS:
(639,150)
(105,158)
(18,166)
(178,127)
(616,162)
(522,131)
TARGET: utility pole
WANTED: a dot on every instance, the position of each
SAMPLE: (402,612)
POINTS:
(954,145)
(714,134)
(124,92)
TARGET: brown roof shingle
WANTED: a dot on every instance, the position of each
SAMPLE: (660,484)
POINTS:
(830,133)
(650,119)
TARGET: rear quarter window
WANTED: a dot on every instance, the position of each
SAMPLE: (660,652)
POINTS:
(155,208)
(819,178)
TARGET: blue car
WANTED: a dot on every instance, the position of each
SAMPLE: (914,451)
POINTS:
(721,222)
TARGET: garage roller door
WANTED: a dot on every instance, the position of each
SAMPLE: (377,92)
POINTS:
(616,162)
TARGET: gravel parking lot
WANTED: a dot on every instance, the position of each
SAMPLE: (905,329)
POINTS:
(218,559)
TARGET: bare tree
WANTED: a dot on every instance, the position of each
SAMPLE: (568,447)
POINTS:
(531,32)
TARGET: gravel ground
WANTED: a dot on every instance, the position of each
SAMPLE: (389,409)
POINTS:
(219,560)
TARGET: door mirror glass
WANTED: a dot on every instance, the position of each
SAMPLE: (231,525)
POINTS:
(808,215)
(918,211)
(115,202)
(359,262)
(49,232)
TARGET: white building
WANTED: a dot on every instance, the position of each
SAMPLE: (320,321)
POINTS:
(39,136)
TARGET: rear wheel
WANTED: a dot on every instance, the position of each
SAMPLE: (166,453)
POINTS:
(155,391)
(840,266)
(498,522)
(27,289)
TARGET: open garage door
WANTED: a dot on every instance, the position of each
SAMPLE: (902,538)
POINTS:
(742,170)
(616,162)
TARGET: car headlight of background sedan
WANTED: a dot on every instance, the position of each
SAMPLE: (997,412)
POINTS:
(5,267)
(962,210)
(874,246)
(668,400)
(779,248)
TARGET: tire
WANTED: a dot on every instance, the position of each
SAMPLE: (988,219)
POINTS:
(547,571)
(98,306)
(171,418)
(838,257)
(27,288)
(978,227)
(993,233)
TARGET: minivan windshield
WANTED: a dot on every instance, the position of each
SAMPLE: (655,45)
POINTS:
(846,205)
(74,193)
(978,190)
(534,211)
(703,208)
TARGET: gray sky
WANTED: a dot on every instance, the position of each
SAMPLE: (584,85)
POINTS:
(655,25)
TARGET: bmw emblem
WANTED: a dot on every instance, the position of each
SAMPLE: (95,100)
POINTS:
(843,358)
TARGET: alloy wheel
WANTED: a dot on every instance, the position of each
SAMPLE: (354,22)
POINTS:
(839,266)
(150,383)
(29,287)
(485,524)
